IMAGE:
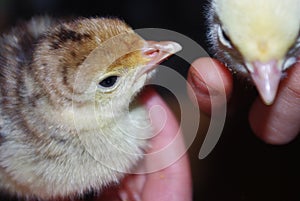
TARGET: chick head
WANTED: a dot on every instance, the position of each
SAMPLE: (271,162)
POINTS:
(97,64)
(265,35)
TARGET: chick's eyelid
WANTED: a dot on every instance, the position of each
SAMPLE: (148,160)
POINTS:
(223,37)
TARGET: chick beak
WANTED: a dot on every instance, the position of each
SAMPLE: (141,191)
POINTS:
(157,52)
(266,77)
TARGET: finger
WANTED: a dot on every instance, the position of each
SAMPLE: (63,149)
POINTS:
(174,182)
(211,82)
(279,123)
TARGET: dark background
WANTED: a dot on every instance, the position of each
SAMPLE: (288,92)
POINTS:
(241,167)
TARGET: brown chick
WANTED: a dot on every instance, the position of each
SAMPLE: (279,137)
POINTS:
(68,124)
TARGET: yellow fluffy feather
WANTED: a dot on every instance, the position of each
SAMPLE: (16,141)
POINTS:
(261,29)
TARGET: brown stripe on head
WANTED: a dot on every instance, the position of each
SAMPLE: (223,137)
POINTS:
(67,50)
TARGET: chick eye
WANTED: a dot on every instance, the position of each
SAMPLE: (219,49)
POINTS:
(223,37)
(109,82)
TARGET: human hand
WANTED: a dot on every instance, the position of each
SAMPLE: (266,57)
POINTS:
(171,183)
(275,124)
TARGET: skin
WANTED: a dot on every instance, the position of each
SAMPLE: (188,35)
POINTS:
(275,124)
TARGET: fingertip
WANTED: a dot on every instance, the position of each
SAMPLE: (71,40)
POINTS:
(259,114)
(210,82)
(157,106)
(162,118)
(147,96)
(268,125)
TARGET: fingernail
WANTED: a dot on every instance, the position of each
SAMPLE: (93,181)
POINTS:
(200,87)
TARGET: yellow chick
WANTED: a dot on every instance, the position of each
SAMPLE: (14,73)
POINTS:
(256,37)
(68,124)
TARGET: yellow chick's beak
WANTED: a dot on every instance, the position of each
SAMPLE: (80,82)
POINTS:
(266,77)
(157,52)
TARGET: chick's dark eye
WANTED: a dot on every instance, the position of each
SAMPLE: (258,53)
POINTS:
(109,81)
(226,37)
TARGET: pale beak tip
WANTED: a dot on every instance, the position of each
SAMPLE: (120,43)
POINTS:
(268,99)
(266,77)
(176,47)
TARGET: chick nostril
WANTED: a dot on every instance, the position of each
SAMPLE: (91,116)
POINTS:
(151,52)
